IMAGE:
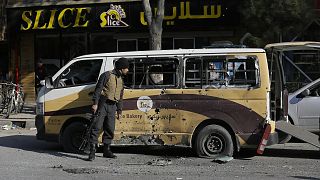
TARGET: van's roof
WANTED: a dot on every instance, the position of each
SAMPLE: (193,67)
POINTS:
(177,52)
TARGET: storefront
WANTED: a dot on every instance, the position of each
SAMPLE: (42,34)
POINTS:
(54,32)
(3,60)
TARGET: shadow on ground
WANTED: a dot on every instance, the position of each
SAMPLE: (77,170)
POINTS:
(274,152)
(30,143)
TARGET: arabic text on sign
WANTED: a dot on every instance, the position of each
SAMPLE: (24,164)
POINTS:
(215,12)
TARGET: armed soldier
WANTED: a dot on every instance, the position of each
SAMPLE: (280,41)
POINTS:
(107,101)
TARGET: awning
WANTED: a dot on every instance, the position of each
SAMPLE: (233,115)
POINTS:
(31,3)
(294,46)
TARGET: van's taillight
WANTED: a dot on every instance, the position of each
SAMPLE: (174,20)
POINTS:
(285,101)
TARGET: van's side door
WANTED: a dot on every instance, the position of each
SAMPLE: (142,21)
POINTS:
(72,92)
(148,100)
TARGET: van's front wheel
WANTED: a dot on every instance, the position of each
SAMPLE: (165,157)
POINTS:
(213,141)
(72,137)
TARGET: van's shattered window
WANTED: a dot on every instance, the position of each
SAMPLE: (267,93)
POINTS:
(152,73)
(221,71)
(80,73)
(243,72)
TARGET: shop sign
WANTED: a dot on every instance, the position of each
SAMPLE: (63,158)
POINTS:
(71,18)
(184,13)
(179,15)
(32,3)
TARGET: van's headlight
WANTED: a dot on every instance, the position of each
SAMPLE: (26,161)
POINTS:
(40,109)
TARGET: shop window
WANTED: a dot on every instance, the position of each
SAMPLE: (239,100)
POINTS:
(184,43)
(152,73)
(80,73)
(167,43)
(72,46)
(101,43)
(143,44)
(218,72)
(127,45)
(47,50)
(48,53)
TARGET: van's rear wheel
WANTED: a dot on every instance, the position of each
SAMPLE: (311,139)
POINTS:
(213,141)
(72,137)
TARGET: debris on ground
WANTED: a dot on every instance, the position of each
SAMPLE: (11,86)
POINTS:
(222,159)
(7,127)
(136,163)
(84,170)
(58,166)
(160,162)
(157,162)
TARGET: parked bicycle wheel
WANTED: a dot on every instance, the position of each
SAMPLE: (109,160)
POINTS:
(20,103)
(10,107)
(1,101)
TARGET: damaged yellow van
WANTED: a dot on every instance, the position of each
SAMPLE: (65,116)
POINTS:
(213,100)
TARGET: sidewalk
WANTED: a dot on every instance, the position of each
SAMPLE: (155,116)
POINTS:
(25,119)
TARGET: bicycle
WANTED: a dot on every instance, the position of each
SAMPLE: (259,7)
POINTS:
(3,95)
(14,100)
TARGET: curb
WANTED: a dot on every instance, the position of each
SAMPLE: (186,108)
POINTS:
(21,122)
(26,119)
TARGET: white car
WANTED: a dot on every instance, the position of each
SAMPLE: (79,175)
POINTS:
(304,107)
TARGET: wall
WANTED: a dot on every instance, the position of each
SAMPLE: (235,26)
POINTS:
(27,66)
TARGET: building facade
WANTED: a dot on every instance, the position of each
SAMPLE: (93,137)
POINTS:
(53,32)
(4,59)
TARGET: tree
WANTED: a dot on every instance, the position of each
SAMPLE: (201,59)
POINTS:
(3,22)
(274,20)
(154,21)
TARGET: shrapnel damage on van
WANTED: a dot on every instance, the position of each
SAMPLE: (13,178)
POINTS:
(213,100)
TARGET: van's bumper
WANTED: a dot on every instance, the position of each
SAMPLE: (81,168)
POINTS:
(41,130)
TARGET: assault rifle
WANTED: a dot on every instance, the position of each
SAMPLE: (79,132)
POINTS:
(86,134)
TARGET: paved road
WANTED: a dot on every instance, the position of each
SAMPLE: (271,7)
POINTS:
(24,157)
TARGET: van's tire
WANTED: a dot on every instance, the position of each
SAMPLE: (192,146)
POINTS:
(213,141)
(72,137)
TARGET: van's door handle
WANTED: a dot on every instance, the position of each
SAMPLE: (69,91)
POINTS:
(90,93)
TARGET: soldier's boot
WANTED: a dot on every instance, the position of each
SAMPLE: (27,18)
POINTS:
(92,154)
(107,152)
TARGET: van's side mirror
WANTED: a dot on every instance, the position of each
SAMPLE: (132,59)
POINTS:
(48,82)
(304,93)
(42,82)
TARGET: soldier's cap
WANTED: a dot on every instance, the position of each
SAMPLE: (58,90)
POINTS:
(121,63)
